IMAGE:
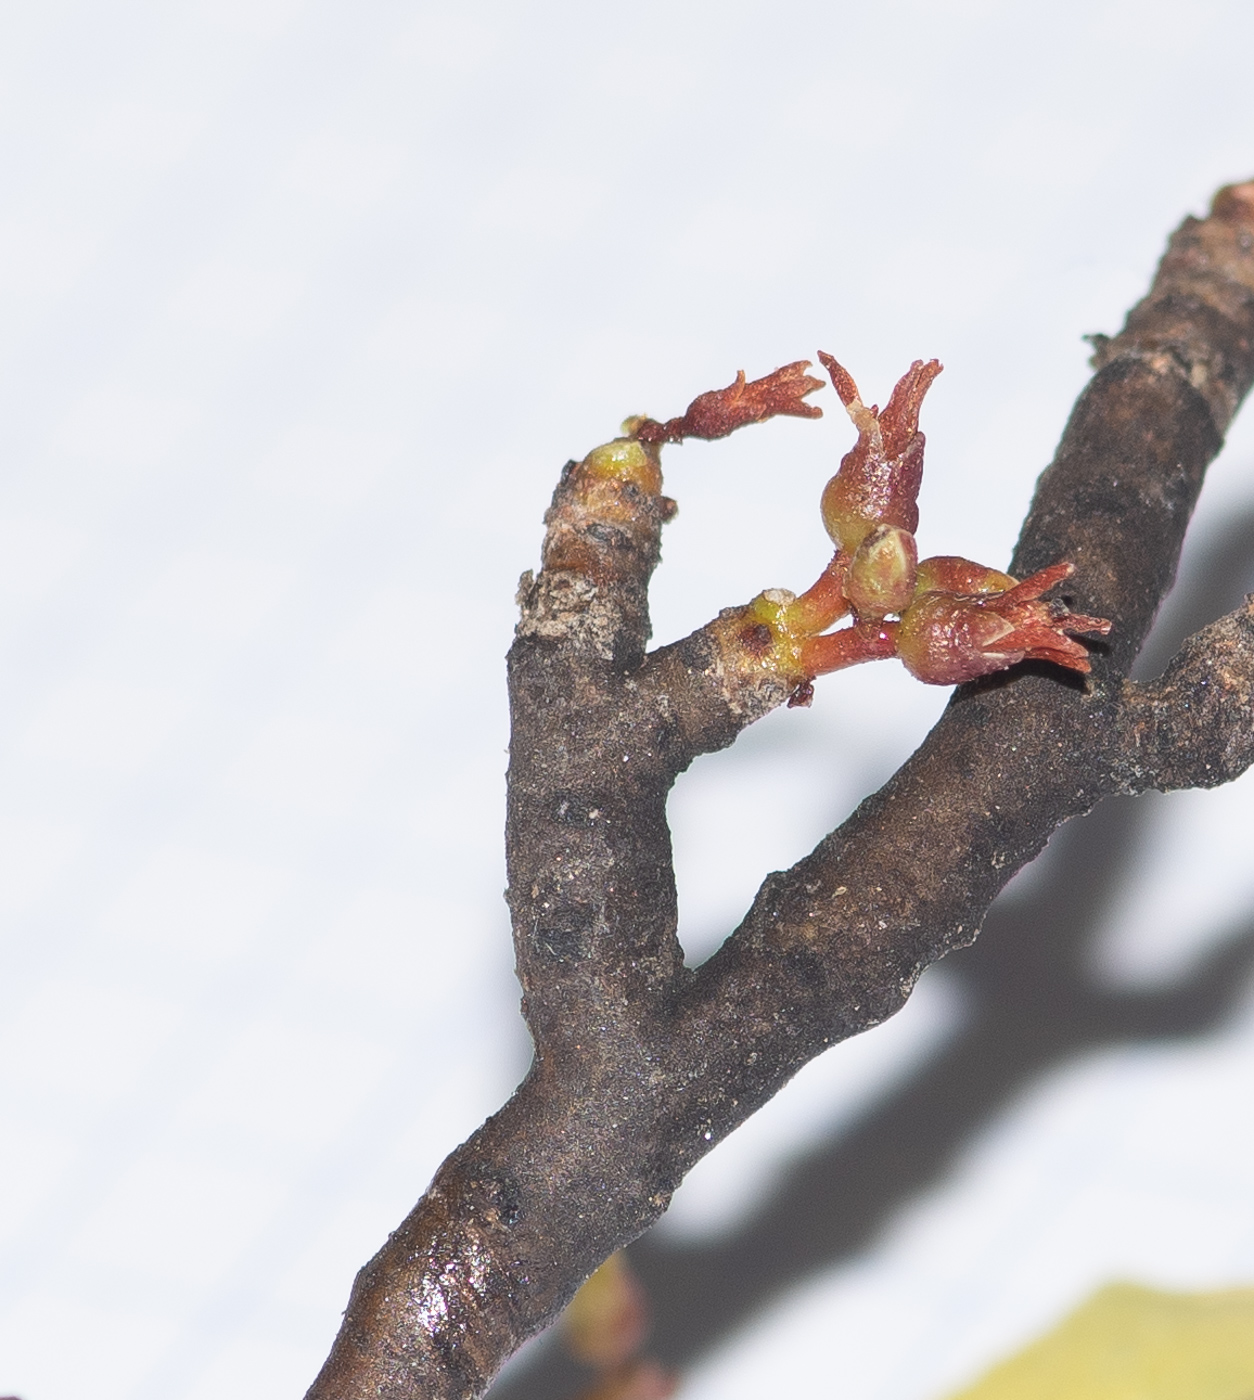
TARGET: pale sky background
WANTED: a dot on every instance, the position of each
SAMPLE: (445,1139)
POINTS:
(303,307)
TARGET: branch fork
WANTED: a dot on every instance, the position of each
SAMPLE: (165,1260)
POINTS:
(641,1063)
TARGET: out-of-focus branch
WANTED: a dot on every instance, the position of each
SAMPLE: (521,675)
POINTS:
(641,1064)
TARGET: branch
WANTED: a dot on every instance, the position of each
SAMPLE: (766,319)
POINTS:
(1194,726)
(641,1064)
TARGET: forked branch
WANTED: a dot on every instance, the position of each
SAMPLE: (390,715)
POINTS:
(643,1064)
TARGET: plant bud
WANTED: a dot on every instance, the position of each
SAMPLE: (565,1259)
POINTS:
(878,481)
(881,577)
(627,460)
(947,638)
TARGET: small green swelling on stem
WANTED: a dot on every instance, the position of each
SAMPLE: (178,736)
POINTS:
(948,619)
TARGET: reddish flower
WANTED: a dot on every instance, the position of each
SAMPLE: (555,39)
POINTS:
(945,638)
(948,619)
(779,394)
(878,481)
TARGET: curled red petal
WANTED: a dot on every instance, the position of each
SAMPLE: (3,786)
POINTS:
(1082,624)
(899,421)
(1036,584)
(1044,641)
(842,380)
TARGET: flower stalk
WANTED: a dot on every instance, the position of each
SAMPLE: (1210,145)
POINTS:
(947,619)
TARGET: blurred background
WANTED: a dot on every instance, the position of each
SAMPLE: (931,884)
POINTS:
(304,304)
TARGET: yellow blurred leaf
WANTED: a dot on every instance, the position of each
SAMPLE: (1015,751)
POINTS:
(1134,1343)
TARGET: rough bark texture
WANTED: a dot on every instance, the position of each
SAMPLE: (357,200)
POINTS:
(642,1065)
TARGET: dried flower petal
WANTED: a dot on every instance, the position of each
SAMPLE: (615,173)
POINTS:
(722,411)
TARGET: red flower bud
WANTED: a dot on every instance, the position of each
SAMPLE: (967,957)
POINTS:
(945,638)
(878,481)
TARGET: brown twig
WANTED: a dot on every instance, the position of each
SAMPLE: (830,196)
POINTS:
(641,1064)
